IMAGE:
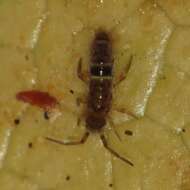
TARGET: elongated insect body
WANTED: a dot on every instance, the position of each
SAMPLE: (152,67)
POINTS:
(100,91)
(100,87)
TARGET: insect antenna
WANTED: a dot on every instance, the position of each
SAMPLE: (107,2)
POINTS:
(81,141)
(102,137)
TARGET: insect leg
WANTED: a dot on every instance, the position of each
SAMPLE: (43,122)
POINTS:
(124,75)
(81,141)
(81,100)
(102,137)
(114,128)
(81,75)
(123,110)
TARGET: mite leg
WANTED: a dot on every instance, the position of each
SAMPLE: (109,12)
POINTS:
(81,141)
(82,75)
(113,151)
(124,75)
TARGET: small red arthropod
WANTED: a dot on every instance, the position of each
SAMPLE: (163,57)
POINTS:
(37,98)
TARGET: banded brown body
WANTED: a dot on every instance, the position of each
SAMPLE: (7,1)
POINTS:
(100,91)
(100,87)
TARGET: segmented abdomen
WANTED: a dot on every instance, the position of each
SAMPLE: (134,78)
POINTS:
(100,74)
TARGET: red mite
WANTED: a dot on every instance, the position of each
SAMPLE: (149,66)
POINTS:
(37,98)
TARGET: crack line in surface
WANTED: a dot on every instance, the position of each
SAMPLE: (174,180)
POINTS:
(168,16)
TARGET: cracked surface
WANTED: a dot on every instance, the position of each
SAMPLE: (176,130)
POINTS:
(41,42)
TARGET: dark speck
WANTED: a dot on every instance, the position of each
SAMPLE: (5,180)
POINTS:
(17,121)
(110,185)
(71,91)
(30,145)
(78,101)
(78,121)
(163,77)
(26,57)
(46,115)
(128,132)
(68,178)
(183,130)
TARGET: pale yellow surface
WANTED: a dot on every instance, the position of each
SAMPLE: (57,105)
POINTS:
(41,42)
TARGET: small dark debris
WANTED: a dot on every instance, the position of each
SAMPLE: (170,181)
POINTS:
(163,77)
(46,115)
(30,145)
(183,130)
(78,101)
(128,132)
(110,185)
(17,121)
(26,57)
(68,178)
(71,91)
(78,121)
